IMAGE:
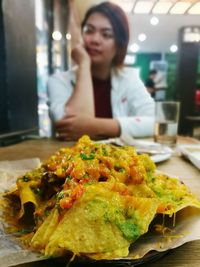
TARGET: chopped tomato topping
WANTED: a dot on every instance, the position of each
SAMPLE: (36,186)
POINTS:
(66,203)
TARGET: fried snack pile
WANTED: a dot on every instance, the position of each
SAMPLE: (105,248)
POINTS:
(93,200)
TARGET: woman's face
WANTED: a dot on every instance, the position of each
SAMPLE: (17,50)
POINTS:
(99,40)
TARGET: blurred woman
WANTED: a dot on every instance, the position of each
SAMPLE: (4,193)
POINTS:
(100,97)
(150,82)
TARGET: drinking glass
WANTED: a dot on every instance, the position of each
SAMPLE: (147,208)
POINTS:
(166,122)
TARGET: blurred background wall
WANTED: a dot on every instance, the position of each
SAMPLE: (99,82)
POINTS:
(20,43)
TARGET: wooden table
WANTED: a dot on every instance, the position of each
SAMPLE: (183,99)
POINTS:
(184,256)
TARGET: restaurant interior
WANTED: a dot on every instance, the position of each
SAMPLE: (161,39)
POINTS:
(35,43)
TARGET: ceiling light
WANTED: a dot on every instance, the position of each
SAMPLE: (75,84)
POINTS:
(56,35)
(126,5)
(195,9)
(68,36)
(180,7)
(142,37)
(134,48)
(173,48)
(154,21)
(162,7)
(143,7)
(191,36)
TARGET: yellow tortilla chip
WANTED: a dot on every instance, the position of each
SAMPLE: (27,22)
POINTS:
(43,234)
(172,194)
(101,221)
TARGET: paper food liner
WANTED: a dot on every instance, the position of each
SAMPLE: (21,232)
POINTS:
(187,225)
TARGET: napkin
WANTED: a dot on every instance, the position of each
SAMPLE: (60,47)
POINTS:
(191,152)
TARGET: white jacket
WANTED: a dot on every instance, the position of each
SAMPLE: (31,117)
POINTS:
(131,104)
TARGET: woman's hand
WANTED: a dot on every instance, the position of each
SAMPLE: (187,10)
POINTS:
(80,56)
(74,126)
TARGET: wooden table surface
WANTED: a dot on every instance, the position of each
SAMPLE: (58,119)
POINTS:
(184,256)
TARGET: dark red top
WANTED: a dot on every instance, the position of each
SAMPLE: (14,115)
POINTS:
(102,98)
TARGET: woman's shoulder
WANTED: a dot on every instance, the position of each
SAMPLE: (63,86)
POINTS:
(128,73)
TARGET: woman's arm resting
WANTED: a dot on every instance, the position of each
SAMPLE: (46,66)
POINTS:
(137,126)
(74,24)
(82,100)
(73,127)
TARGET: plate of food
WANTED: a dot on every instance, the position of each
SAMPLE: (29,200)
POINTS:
(156,151)
(99,202)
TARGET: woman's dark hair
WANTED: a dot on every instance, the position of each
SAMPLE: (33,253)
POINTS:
(120,26)
(152,72)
